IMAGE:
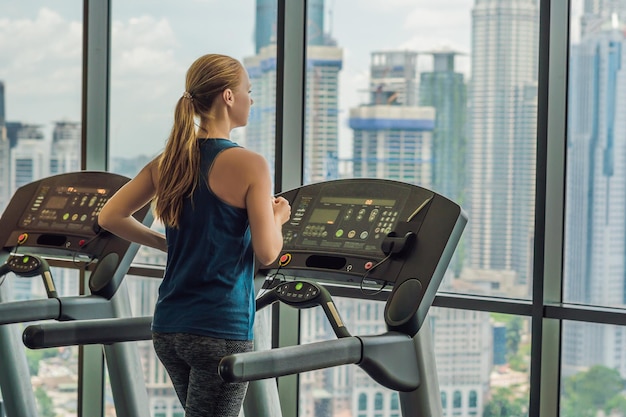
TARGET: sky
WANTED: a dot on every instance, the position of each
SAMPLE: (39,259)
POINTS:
(154,42)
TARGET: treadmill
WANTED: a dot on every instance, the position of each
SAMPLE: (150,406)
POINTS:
(359,238)
(55,220)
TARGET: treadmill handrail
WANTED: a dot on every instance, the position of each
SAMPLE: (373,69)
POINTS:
(29,310)
(87,332)
(289,360)
(389,358)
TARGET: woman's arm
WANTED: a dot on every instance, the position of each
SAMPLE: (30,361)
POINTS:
(117,214)
(266,214)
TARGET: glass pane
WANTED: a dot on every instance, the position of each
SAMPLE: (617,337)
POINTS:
(444,97)
(593,369)
(482,363)
(40,92)
(40,132)
(153,44)
(595,230)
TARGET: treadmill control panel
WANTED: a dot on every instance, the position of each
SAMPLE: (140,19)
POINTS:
(58,215)
(360,231)
(367,235)
(344,223)
(65,208)
(353,219)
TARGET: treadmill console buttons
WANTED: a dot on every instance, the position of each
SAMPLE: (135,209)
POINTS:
(297,291)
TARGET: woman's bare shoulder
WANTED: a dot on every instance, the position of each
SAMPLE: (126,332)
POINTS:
(247,160)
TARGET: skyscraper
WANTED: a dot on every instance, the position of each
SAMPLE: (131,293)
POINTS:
(594,267)
(392,136)
(65,149)
(504,67)
(393,142)
(324,62)
(444,89)
(266,23)
(29,157)
(393,78)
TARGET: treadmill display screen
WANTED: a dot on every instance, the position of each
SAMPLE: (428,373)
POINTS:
(342,223)
(65,209)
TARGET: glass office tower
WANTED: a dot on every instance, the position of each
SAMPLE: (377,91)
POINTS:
(595,269)
(504,66)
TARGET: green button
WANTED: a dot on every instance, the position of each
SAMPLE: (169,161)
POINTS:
(25,259)
(299,286)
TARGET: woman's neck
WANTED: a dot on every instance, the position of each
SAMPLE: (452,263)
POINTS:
(214,128)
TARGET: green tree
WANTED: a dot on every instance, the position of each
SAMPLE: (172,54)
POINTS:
(33,356)
(517,355)
(44,403)
(585,393)
(503,403)
(513,335)
(617,403)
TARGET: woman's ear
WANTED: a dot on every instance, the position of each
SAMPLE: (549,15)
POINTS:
(228,96)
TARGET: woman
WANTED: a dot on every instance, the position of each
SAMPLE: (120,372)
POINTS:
(214,198)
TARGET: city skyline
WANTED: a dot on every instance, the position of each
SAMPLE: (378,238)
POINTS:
(150,53)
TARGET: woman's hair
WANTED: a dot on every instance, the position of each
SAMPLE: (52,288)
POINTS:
(179,163)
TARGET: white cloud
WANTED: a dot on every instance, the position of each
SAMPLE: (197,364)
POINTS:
(146,80)
(143,57)
(41,68)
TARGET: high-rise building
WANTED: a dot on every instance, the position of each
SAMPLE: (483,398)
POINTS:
(266,23)
(393,142)
(504,68)
(393,78)
(322,108)
(594,267)
(29,157)
(600,13)
(444,89)
(464,357)
(65,149)
(392,135)
(324,62)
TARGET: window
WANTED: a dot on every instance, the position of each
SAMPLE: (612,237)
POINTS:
(40,125)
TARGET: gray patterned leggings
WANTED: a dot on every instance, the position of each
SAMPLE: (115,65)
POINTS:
(192,362)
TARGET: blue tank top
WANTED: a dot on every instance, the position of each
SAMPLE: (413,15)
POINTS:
(208,287)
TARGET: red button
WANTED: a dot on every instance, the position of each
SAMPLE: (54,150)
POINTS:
(285,259)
